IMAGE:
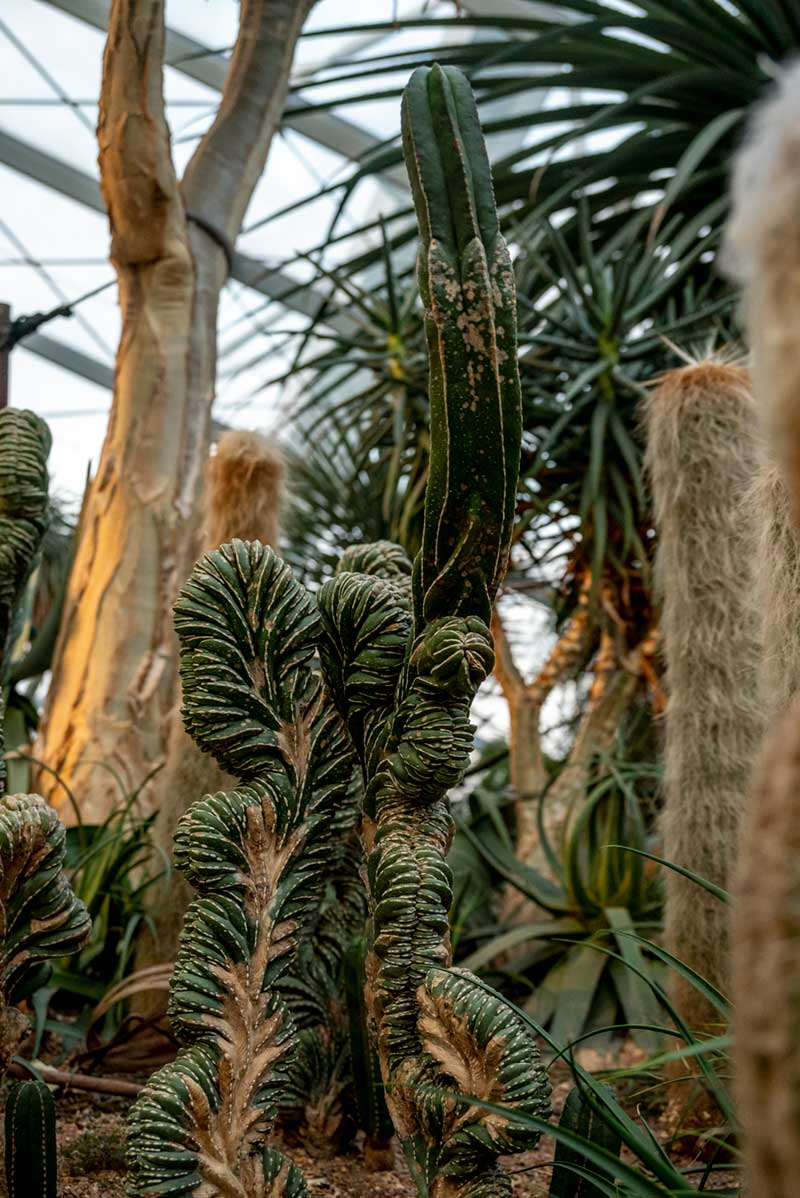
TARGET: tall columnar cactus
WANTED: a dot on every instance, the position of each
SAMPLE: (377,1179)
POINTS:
(702,454)
(257,857)
(404,662)
(40,918)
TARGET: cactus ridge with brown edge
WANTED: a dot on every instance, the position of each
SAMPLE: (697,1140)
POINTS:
(41,917)
(258,858)
(403,670)
(24,448)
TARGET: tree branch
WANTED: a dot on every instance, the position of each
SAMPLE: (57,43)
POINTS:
(137,177)
(224,169)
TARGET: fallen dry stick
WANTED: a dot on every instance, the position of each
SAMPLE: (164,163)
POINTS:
(78,1081)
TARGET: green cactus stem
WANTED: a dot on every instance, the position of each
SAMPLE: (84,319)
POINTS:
(24,447)
(30,1141)
(258,858)
(403,665)
(41,917)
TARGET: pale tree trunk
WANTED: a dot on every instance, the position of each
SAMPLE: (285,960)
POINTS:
(525,700)
(115,670)
(614,685)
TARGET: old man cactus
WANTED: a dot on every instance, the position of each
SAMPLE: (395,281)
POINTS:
(40,918)
(402,652)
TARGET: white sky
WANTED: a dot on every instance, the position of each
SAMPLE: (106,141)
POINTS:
(71,241)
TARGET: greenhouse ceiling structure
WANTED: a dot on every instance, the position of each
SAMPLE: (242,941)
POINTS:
(53,227)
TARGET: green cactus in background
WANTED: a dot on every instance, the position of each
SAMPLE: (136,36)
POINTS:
(30,1142)
(24,512)
(404,662)
(258,858)
(41,918)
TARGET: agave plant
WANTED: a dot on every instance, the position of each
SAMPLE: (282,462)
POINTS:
(599,888)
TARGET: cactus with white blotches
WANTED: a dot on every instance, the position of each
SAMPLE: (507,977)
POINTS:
(403,663)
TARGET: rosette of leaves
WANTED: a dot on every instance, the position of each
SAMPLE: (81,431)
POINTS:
(403,665)
(258,858)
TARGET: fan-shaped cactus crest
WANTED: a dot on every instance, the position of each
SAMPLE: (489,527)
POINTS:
(257,858)
(40,917)
(402,654)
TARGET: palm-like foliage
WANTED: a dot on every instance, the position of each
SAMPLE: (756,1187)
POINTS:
(626,115)
(604,333)
(665,84)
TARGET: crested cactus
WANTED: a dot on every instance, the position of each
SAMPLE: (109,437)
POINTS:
(404,653)
(41,918)
(257,858)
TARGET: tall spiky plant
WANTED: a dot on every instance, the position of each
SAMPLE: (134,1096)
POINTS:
(702,452)
(404,662)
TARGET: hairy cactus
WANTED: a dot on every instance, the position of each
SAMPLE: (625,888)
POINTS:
(702,454)
(404,654)
(257,857)
(30,1142)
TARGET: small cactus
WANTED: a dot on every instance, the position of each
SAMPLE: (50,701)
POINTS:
(30,1149)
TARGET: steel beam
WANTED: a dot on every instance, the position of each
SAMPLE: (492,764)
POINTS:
(76,185)
(208,66)
(70,359)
